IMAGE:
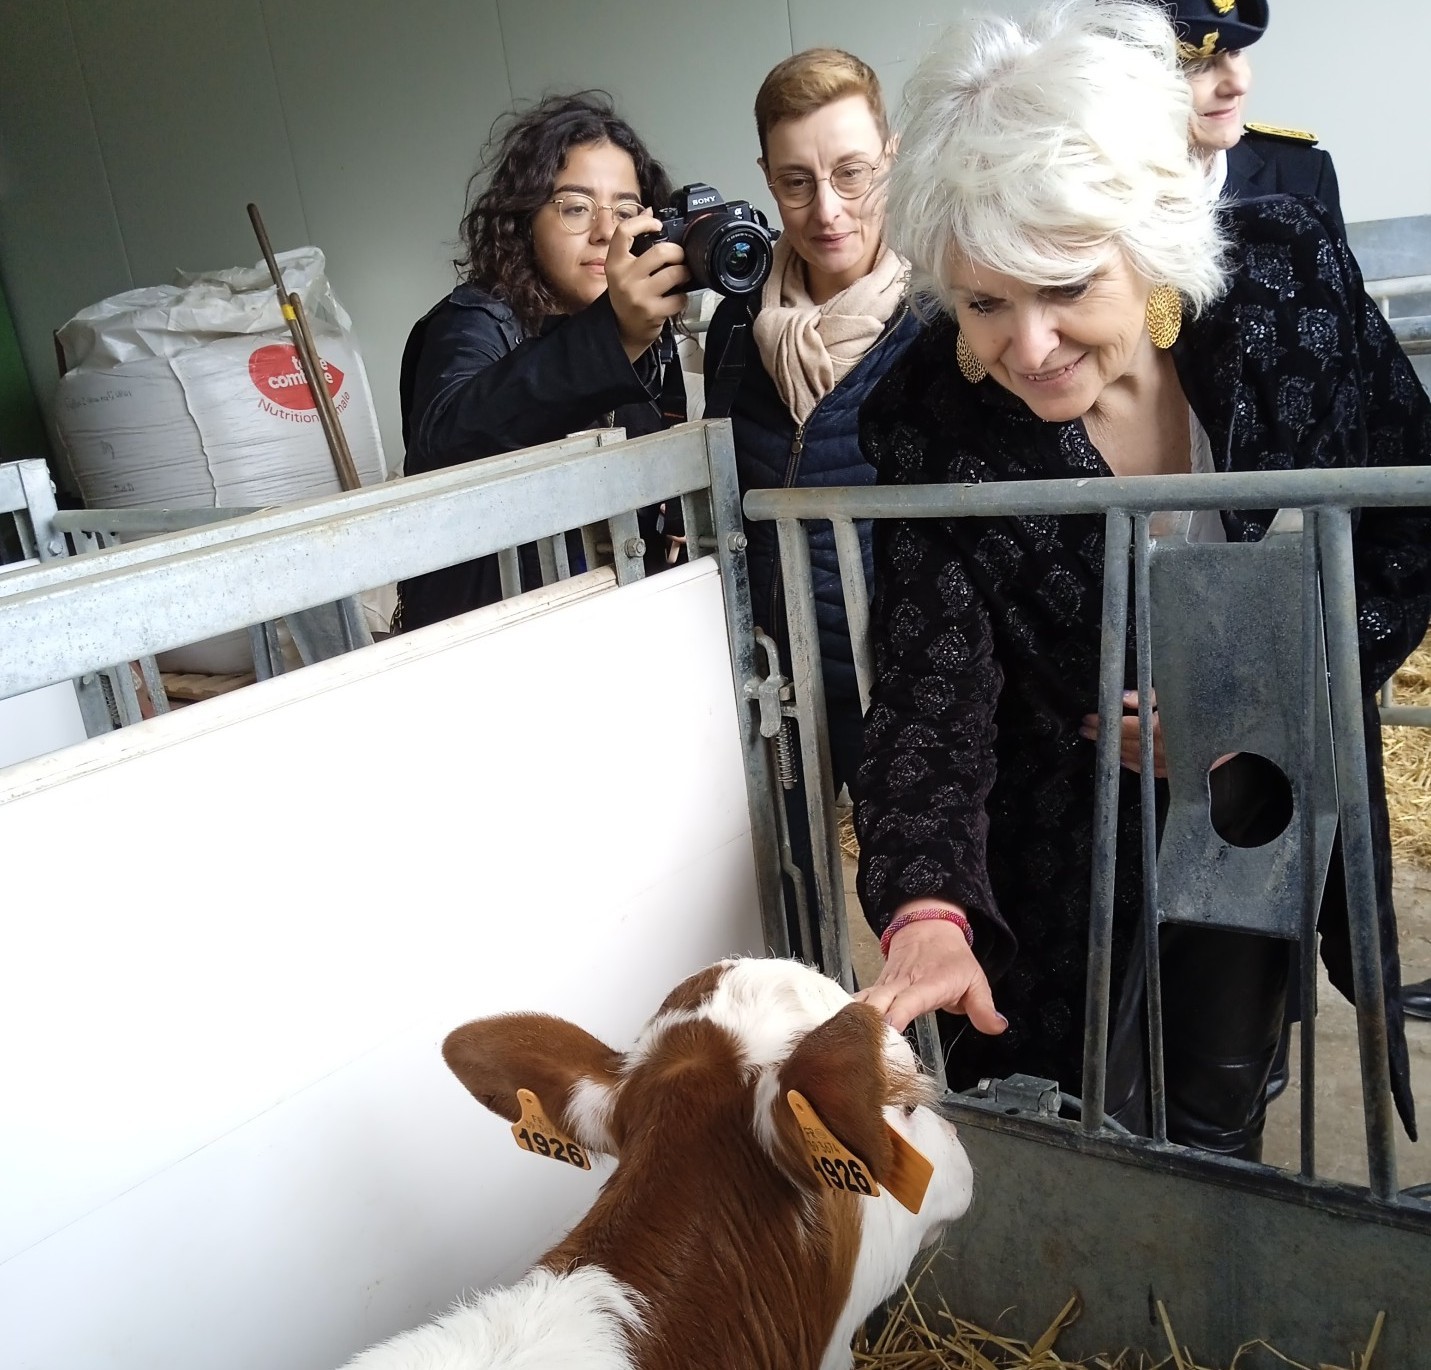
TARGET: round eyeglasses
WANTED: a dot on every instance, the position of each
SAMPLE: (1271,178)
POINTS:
(576,212)
(849,180)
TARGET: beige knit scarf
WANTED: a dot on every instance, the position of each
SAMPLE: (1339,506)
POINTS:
(808,348)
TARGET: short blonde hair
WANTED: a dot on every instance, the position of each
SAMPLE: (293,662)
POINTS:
(1039,148)
(812,79)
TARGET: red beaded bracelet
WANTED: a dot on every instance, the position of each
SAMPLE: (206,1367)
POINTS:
(925,916)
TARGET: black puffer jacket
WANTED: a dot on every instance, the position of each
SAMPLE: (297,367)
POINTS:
(474,385)
(773,452)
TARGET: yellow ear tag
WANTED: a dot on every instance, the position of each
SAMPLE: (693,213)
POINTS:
(535,1132)
(909,1174)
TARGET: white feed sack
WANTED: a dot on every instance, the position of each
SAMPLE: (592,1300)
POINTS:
(191,396)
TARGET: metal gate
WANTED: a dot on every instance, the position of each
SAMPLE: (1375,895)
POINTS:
(1080,1204)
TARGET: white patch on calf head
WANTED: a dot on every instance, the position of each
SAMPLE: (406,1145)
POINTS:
(589,1108)
(891,1237)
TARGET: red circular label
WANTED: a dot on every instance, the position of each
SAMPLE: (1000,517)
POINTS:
(278,374)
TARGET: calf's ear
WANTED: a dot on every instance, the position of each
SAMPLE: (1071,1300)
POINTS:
(572,1073)
(840,1069)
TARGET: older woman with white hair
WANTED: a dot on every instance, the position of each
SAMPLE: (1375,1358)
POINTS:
(1097,315)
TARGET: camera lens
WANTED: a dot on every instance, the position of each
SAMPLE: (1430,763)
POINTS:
(728,254)
(740,260)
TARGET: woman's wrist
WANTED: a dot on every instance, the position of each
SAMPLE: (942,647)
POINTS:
(926,913)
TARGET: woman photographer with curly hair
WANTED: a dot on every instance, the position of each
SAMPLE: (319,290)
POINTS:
(556,325)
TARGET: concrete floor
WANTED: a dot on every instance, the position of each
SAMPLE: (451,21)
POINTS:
(1341,1133)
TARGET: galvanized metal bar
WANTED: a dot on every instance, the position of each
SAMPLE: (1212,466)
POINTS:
(12,492)
(146,523)
(341,547)
(931,1050)
(1406,716)
(729,531)
(1112,657)
(452,481)
(1357,488)
(699,531)
(1157,1084)
(1334,548)
(1393,287)
(857,603)
(158,696)
(509,570)
(592,536)
(808,680)
(37,494)
(126,697)
(628,547)
(1311,891)
(266,649)
(93,692)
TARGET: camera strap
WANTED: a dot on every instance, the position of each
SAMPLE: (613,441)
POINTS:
(672,402)
(722,387)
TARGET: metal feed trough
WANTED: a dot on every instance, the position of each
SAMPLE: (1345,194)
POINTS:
(1234,1250)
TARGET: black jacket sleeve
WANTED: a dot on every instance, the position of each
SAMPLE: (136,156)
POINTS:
(1329,194)
(929,734)
(474,394)
(1342,393)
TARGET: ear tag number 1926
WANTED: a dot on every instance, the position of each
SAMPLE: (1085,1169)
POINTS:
(535,1132)
(835,1164)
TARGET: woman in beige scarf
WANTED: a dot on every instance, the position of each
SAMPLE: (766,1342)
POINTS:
(831,320)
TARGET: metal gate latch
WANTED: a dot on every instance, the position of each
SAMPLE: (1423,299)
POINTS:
(1027,1095)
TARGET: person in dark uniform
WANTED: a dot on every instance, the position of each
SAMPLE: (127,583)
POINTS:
(1246,159)
(1250,160)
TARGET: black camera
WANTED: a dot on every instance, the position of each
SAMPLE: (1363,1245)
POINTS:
(729,247)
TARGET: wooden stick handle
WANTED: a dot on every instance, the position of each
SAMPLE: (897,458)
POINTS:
(309,360)
(343,462)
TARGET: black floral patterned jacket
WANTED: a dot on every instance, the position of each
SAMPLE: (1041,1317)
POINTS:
(977,786)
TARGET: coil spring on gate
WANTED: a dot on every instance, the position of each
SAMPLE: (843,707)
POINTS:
(785,755)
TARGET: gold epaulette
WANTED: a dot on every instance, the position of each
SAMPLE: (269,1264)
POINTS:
(1295,135)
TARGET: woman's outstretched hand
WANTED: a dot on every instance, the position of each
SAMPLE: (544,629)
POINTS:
(637,285)
(1129,747)
(931,966)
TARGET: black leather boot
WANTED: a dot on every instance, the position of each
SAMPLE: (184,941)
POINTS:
(1224,997)
(1281,1073)
(1416,999)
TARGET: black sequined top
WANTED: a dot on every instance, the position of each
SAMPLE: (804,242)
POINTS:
(976,785)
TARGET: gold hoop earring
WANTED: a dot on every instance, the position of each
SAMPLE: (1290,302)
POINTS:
(1165,316)
(972,369)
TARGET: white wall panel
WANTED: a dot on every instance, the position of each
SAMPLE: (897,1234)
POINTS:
(60,243)
(227,1121)
(191,129)
(890,36)
(1356,77)
(356,125)
(387,107)
(685,76)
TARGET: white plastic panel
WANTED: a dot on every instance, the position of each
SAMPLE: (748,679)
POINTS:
(234,1138)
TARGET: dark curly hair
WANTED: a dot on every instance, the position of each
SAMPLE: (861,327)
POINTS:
(520,163)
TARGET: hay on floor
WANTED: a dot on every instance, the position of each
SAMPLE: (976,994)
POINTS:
(1406,753)
(919,1338)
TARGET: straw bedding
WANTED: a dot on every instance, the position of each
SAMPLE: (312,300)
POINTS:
(1407,755)
(923,1338)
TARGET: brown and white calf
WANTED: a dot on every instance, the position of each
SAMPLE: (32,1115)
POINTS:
(721,1239)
